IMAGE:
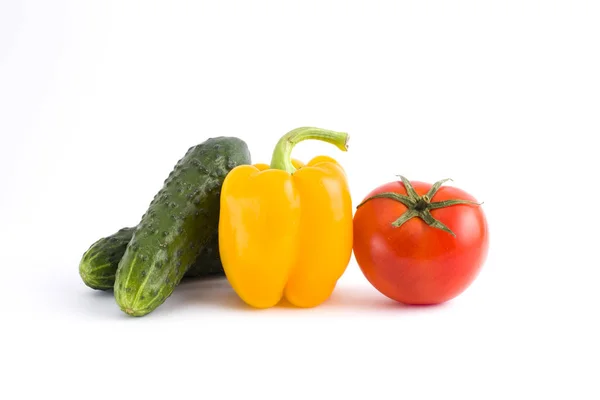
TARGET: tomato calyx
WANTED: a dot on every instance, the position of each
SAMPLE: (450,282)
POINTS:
(420,206)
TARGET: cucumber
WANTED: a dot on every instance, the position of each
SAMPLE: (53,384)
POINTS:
(99,263)
(208,262)
(179,222)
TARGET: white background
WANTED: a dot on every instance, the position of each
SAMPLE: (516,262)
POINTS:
(98,100)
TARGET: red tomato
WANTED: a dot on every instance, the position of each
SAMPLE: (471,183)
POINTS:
(416,263)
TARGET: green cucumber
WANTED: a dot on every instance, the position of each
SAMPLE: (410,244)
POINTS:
(179,222)
(99,263)
(208,262)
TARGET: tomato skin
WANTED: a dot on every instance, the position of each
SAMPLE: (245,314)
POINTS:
(416,263)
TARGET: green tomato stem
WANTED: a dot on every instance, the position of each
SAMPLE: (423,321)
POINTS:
(419,206)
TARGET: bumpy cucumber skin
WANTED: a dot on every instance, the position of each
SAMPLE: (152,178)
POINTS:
(98,264)
(208,262)
(181,219)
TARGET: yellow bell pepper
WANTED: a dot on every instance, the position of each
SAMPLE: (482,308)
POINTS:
(285,229)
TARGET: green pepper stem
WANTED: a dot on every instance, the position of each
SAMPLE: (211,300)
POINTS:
(283,149)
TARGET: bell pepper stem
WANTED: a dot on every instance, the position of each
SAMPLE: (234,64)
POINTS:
(282,159)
